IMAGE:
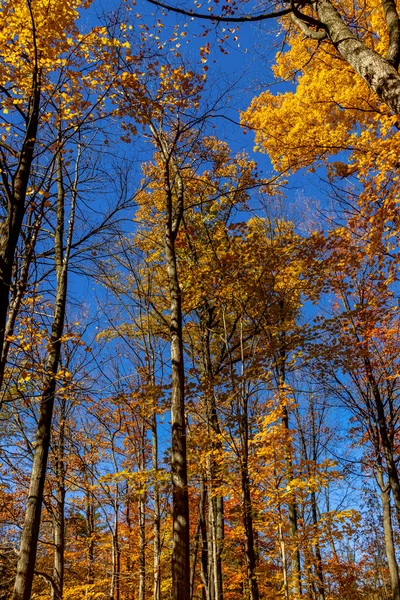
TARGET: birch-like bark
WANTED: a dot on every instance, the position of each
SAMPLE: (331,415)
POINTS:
(379,72)
(388,534)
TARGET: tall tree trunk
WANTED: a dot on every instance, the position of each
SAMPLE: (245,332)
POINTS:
(156,509)
(59,517)
(208,589)
(247,509)
(115,583)
(19,285)
(283,557)
(249,532)
(15,194)
(388,535)
(90,533)
(180,500)
(387,438)
(292,508)
(216,502)
(292,513)
(30,530)
(142,524)
(314,512)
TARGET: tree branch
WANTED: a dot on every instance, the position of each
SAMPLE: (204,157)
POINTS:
(310,33)
(219,18)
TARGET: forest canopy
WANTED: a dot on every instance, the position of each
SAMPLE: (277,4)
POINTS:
(199,306)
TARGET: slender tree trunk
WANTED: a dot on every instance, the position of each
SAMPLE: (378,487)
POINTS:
(30,530)
(195,553)
(59,518)
(115,584)
(156,508)
(283,557)
(314,513)
(388,534)
(15,194)
(249,534)
(216,502)
(292,508)
(20,281)
(199,537)
(91,532)
(180,500)
(211,550)
(142,527)
(386,438)
(205,546)
(247,509)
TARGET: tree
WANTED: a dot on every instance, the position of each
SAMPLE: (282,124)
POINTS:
(333,28)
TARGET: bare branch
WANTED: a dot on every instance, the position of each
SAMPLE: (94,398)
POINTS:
(222,18)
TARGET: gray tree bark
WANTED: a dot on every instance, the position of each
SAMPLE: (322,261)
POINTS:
(388,534)
(174,196)
(379,72)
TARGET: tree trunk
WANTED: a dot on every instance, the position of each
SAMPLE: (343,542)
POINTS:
(314,512)
(30,530)
(292,507)
(386,439)
(15,193)
(59,518)
(247,509)
(180,500)
(378,72)
(200,536)
(388,534)
(156,508)
(19,284)
(205,546)
(216,502)
(90,534)
(142,525)
(283,557)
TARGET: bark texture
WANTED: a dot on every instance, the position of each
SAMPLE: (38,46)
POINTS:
(388,534)
(180,502)
(379,72)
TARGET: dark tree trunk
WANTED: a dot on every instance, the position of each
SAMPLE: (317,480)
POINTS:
(180,501)
(156,508)
(216,502)
(59,516)
(15,193)
(30,531)
(247,509)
